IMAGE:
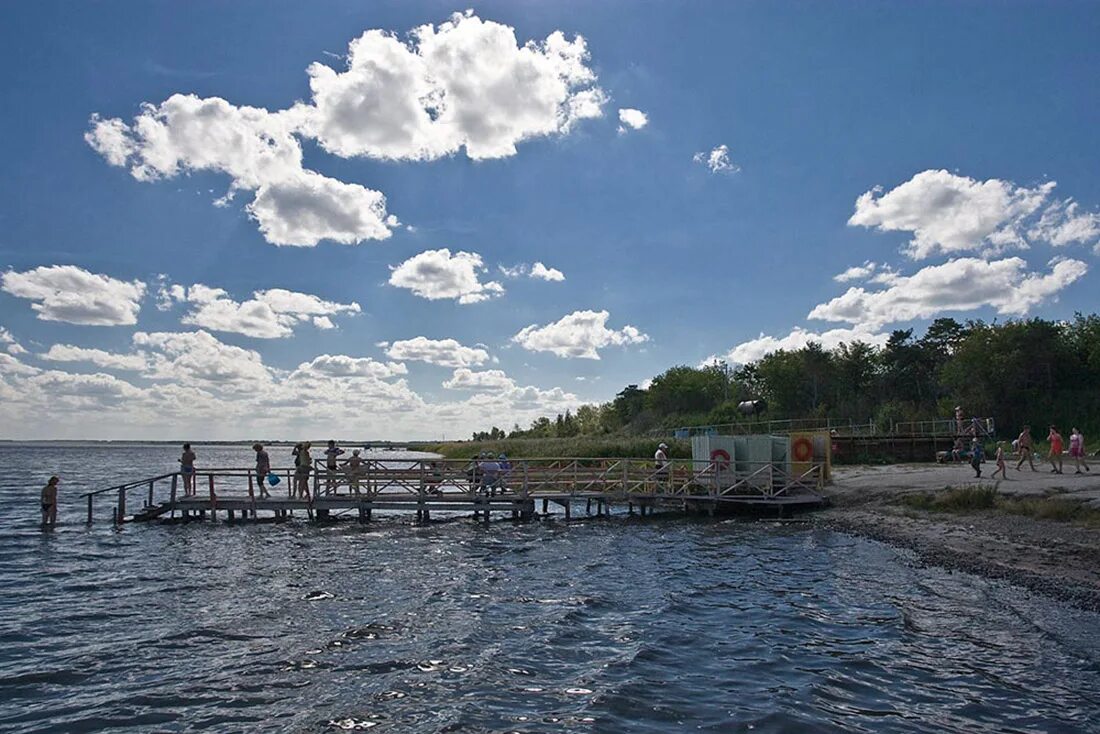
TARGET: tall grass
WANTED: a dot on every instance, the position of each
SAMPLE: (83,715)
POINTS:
(983,497)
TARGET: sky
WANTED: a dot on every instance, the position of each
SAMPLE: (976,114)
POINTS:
(413,220)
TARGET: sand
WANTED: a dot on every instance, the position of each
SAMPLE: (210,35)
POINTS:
(1059,559)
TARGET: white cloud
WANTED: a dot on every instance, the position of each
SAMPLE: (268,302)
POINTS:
(951,214)
(631,119)
(464,84)
(341,365)
(717,160)
(541,272)
(13,346)
(754,349)
(436,274)
(74,295)
(485,380)
(857,272)
(10,366)
(269,314)
(98,357)
(957,285)
(537,270)
(579,334)
(1061,224)
(442,352)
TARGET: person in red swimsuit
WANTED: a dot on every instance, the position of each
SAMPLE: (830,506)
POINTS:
(1055,456)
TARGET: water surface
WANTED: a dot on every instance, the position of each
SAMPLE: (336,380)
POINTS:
(655,625)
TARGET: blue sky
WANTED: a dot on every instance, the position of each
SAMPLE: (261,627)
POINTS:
(976,120)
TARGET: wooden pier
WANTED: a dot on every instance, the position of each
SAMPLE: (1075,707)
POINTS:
(529,488)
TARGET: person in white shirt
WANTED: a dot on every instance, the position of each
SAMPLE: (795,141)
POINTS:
(660,462)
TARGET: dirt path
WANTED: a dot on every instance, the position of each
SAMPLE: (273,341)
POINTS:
(1060,559)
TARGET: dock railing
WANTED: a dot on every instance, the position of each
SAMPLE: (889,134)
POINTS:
(466,482)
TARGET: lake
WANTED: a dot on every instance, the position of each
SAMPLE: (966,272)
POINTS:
(658,625)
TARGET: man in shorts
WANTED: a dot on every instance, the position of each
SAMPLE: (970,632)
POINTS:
(1024,444)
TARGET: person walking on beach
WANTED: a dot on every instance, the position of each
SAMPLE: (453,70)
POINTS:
(331,453)
(49,503)
(263,468)
(660,463)
(1024,443)
(1000,461)
(1055,454)
(302,466)
(977,453)
(187,469)
(1077,450)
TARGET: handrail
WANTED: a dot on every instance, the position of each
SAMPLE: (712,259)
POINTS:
(127,485)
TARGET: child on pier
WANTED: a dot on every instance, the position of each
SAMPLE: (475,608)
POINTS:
(354,468)
(1000,461)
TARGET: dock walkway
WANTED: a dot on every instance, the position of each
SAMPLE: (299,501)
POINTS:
(427,486)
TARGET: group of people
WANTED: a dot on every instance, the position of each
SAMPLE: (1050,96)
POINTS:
(487,473)
(1024,447)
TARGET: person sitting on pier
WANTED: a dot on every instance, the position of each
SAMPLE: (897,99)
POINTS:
(490,475)
(302,466)
(263,468)
(49,503)
(331,453)
(354,468)
(187,469)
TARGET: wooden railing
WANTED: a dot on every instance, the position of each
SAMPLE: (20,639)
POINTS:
(448,479)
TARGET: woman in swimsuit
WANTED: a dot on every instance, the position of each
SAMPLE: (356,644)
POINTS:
(302,464)
(1055,455)
(1077,450)
(49,503)
(187,469)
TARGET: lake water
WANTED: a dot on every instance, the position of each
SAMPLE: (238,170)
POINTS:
(655,625)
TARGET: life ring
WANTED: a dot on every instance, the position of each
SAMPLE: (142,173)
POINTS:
(720,458)
(802,449)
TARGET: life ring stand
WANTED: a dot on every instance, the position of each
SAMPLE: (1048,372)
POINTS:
(720,458)
(802,449)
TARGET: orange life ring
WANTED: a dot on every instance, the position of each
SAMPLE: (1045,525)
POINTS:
(802,449)
(720,458)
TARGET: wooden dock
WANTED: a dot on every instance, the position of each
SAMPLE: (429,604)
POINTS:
(528,489)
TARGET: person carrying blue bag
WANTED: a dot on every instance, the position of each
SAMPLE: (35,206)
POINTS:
(263,470)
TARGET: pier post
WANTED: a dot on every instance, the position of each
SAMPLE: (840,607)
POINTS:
(362,515)
(630,508)
(90,509)
(588,507)
(567,512)
(121,511)
(545,506)
(149,503)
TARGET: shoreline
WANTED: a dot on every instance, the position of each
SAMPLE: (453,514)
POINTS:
(1059,559)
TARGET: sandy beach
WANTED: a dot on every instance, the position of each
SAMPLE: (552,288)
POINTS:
(1057,558)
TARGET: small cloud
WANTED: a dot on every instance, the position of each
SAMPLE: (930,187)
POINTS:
(631,119)
(717,160)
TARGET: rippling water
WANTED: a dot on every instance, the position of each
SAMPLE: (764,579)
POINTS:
(655,625)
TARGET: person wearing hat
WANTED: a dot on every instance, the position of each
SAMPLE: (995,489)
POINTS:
(660,462)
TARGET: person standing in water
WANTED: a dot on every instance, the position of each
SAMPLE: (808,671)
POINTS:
(1024,445)
(1055,454)
(49,503)
(187,469)
(1077,450)
(263,468)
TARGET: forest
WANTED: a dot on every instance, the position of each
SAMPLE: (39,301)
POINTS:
(1020,371)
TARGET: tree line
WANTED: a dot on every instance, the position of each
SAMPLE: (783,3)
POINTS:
(1021,371)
